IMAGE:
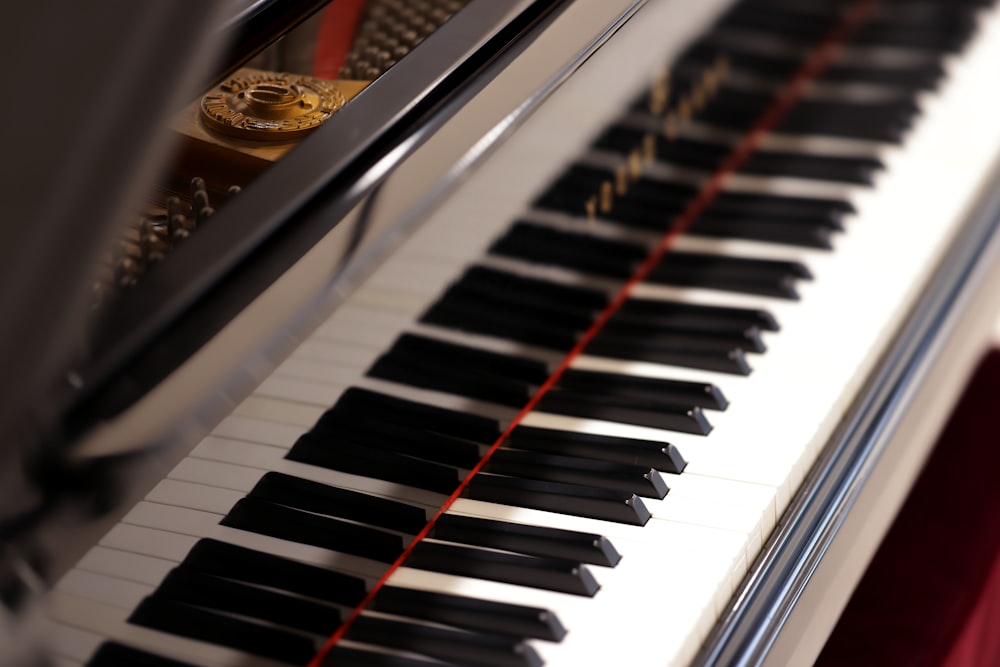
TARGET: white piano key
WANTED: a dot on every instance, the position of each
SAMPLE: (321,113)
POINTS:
(109,590)
(257,430)
(282,412)
(126,565)
(322,394)
(59,661)
(194,496)
(147,542)
(304,367)
(338,355)
(72,643)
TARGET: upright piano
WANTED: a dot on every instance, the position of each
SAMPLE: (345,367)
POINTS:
(576,332)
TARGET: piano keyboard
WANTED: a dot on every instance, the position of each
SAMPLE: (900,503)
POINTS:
(622,512)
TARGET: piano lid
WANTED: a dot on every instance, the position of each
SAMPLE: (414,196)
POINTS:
(142,335)
(338,164)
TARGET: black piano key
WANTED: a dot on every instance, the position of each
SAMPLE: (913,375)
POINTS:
(326,451)
(523,303)
(409,413)
(706,155)
(739,111)
(586,253)
(218,594)
(490,321)
(432,364)
(476,649)
(355,656)
(542,573)
(658,455)
(654,414)
(723,361)
(910,77)
(430,375)
(255,567)
(113,654)
(727,224)
(318,498)
(748,340)
(780,232)
(470,613)
(513,316)
(695,316)
(773,278)
(642,481)
(947,33)
(443,353)
(421,443)
(531,540)
(655,202)
(603,257)
(189,621)
(702,394)
(879,120)
(535,290)
(573,499)
(264,518)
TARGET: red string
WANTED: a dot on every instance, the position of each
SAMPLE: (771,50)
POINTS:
(814,64)
(337,29)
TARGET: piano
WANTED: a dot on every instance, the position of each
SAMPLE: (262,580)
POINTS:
(589,332)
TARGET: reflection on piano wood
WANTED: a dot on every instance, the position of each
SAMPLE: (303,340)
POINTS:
(720,374)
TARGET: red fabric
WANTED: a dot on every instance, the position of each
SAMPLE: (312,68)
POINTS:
(979,642)
(336,34)
(931,595)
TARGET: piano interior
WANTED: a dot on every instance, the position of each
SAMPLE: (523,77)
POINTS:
(467,332)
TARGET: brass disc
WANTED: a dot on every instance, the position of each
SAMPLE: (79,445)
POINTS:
(270,106)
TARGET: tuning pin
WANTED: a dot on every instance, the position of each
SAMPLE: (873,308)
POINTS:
(173,207)
(606,197)
(199,200)
(659,93)
(649,148)
(129,271)
(234,190)
(671,126)
(590,206)
(179,226)
(621,180)
(156,240)
(635,164)
(203,214)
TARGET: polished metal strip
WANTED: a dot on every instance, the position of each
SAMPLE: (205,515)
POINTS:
(761,607)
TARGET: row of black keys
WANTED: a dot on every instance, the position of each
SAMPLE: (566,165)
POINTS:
(549,315)
(245,583)
(217,580)
(596,476)
(934,29)
(545,464)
